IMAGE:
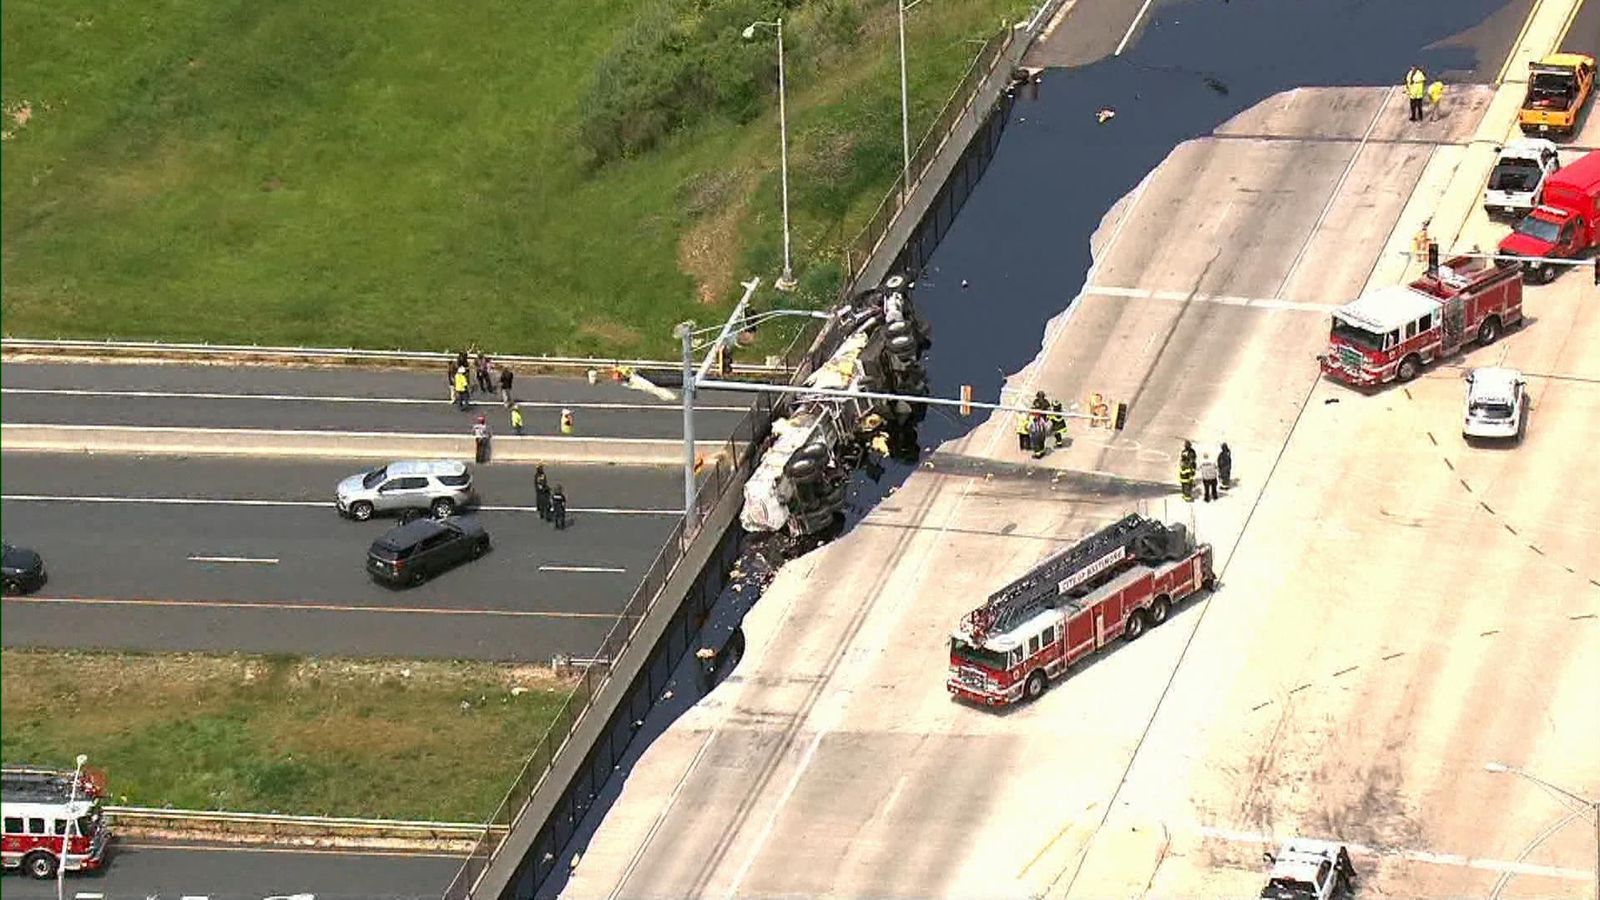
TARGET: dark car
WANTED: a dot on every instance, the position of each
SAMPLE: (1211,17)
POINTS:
(416,550)
(24,570)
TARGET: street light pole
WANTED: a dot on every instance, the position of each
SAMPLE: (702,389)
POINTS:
(905,108)
(66,833)
(685,333)
(1594,807)
(786,281)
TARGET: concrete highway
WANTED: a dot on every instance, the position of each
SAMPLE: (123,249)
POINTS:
(1396,609)
(325,399)
(167,553)
(140,871)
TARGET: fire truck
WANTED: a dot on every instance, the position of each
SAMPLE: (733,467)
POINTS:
(44,807)
(1117,582)
(1393,332)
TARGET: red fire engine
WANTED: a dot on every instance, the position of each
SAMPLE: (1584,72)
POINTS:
(1114,583)
(1392,333)
(44,807)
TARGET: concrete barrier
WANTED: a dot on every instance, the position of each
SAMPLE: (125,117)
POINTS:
(152,440)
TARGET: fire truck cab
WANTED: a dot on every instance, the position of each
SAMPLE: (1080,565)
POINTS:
(1393,332)
(44,808)
(1308,870)
(1113,584)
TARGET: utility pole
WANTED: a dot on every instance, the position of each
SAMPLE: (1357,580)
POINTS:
(684,331)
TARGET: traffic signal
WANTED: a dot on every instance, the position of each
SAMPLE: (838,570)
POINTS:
(1120,420)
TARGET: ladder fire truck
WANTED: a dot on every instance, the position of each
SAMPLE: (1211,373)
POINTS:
(1116,582)
(44,807)
(1393,332)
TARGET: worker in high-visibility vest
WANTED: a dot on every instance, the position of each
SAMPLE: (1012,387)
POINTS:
(566,422)
(1416,89)
(462,385)
(1022,431)
(516,417)
(1435,94)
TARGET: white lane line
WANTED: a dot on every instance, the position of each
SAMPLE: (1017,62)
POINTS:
(1424,856)
(298,606)
(1128,35)
(327,398)
(610,569)
(1223,299)
(325,504)
(261,560)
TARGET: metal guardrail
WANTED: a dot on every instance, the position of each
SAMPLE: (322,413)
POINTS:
(274,825)
(740,449)
(340,355)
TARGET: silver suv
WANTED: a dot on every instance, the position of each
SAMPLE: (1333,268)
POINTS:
(439,486)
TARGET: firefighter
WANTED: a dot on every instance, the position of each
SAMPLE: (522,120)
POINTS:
(1186,471)
(1040,401)
(1058,424)
(462,385)
(1225,466)
(480,439)
(541,492)
(558,507)
(1022,430)
(516,416)
(1416,89)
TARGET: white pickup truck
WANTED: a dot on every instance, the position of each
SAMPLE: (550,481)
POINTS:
(1517,182)
(1308,870)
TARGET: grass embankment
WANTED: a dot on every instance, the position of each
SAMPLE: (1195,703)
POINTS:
(556,177)
(435,741)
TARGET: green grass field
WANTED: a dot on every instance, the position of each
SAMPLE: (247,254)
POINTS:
(411,173)
(410,740)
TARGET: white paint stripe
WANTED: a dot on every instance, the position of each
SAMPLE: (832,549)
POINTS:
(1423,856)
(326,504)
(608,569)
(1223,299)
(1128,35)
(263,560)
(326,398)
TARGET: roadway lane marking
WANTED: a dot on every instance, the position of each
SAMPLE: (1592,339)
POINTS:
(262,560)
(289,606)
(612,569)
(1128,35)
(331,398)
(180,847)
(1223,299)
(1424,856)
(325,504)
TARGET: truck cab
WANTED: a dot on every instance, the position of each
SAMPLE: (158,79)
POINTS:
(1308,870)
(1517,181)
(1558,87)
(1562,226)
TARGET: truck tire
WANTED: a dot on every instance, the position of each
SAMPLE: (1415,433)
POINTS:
(39,864)
(1159,610)
(1037,682)
(1135,627)
(1489,331)
(1410,368)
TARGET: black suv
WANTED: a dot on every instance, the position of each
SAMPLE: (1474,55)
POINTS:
(24,569)
(412,552)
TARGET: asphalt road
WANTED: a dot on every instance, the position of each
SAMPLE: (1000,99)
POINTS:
(335,400)
(234,555)
(141,871)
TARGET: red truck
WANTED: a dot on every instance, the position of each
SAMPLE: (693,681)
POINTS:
(1564,224)
(1113,584)
(1393,332)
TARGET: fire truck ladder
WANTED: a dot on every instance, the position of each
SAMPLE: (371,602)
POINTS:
(1145,540)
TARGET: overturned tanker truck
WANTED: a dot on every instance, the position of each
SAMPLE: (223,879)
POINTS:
(798,486)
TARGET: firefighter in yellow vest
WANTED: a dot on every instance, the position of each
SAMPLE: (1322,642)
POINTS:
(1416,88)
(1022,431)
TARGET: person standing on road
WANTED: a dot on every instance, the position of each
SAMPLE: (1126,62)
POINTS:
(1023,421)
(480,438)
(558,507)
(450,377)
(485,381)
(541,492)
(516,418)
(505,384)
(1038,433)
(1186,471)
(1058,424)
(1225,467)
(462,387)
(1416,88)
(1208,477)
(1435,95)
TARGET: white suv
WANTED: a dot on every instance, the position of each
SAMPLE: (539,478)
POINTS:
(1496,405)
(439,486)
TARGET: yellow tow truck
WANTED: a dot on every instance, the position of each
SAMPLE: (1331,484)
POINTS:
(1558,86)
